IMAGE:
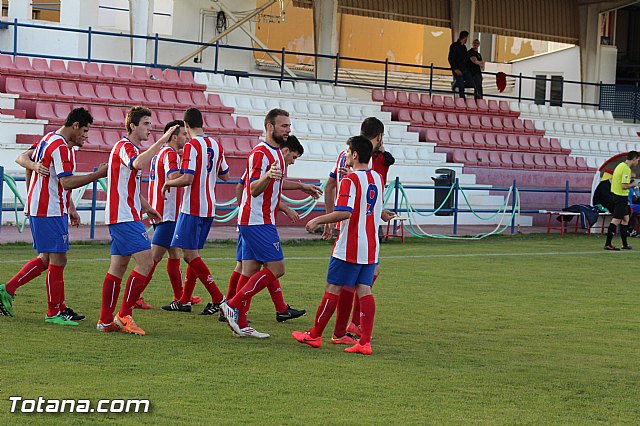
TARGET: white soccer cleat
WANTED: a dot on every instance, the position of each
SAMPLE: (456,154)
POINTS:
(231,316)
(251,332)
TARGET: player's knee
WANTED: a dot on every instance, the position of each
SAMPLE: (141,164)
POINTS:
(190,255)
(276,268)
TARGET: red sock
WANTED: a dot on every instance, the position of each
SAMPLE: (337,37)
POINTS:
(345,300)
(204,275)
(132,291)
(29,271)
(256,283)
(175,276)
(233,283)
(189,285)
(323,315)
(55,289)
(368,305)
(153,269)
(110,294)
(242,314)
(355,318)
(275,291)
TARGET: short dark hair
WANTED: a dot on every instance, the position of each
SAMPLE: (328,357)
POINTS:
(270,118)
(174,123)
(463,34)
(362,146)
(371,127)
(193,118)
(134,115)
(293,144)
(632,155)
(80,116)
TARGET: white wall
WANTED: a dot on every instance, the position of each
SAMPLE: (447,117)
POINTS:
(565,63)
(186,23)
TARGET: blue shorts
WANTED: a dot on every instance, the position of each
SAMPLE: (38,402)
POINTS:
(128,238)
(239,249)
(261,243)
(163,234)
(350,274)
(50,234)
(191,231)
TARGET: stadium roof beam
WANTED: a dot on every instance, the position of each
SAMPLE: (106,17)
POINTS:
(235,26)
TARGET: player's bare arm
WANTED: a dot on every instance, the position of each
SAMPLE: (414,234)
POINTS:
(312,190)
(289,212)
(77,181)
(74,217)
(143,160)
(153,215)
(334,217)
(257,187)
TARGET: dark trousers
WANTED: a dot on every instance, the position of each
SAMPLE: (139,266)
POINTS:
(476,80)
(458,81)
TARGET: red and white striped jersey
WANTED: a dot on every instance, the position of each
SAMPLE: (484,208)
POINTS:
(164,163)
(361,193)
(261,210)
(46,196)
(123,184)
(203,157)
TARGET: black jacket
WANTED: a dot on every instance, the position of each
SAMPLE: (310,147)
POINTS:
(603,195)
(458,56)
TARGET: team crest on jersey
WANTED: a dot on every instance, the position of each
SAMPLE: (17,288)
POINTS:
(65,238)
(277,245)
(145,236)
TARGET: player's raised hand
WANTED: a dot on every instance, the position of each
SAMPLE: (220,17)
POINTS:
(275,172)
(344,170)
(169,132)
(103,168)
(312,190)
(291,214)
(165,189)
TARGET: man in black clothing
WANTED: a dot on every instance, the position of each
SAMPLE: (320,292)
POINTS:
(602,194)
(458,61)
(475,66)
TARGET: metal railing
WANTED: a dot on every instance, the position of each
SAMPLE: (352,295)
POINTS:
(455,191)
(386,65)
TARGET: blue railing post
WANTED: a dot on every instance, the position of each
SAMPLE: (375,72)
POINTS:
(513,207)
(282,66)
(455,206)
(431,79)
(335,77)
(89,30)
(156,43)
(520,88)
(1,194)
(15,37)
(94,190)
(566,195)
(386,72)
(215,59)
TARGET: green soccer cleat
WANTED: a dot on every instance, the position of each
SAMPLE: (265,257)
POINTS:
(59,320)
(6,301)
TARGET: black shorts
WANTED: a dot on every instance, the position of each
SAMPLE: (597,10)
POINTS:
(620,206)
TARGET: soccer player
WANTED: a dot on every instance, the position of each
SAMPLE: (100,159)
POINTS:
(165,166)
(355,253)
(256,221)
(372,129)
(202,164)
(620,184)
(123,214)
(291,150)
(50,209)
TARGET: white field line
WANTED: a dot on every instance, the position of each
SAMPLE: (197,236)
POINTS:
(417,256)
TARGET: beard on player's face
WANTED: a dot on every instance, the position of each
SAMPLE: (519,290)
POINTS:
(278,138)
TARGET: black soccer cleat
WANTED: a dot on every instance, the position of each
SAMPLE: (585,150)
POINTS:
(176,306)
(71,315)
(221,317)
(290,313)
(211,308)
(627,247)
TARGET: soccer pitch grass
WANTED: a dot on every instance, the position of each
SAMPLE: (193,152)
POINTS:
(508,330)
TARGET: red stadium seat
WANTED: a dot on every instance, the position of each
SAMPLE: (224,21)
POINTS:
(452,121)
(92,71)
(230,126)
(474,122)
(501,141)
(69,89)
(425,100)
(471,104)
(534,142)
(212,122)
(121,95)
(109,72)
(528,160)
(103,92)
(437,102)
(169,98)
(467,139)
(432,135)
(44,111)
(40,67)
(153,97)
(52,90)
(111,137)
(244,145)
(164,117)
(449,103)
(429,119)
(539,161)
(478,140)
(184,99)
(243,123)
(124,73)
(459,156)
(100,117)
(441,119)
(414,99)
(228,145)
(512,140)
(493,106)
(116,115)
(34,87)
(463,121)
(550,162)
(485,122)
(402,99)
(14,86)
(496,123)
(416,117)
(495,160)
(505,159)
(517,160)
(523,143)
(555,145)
(377,95)
(444,137)
(199,101)
(491,141)
(518,126)
(95,138)
(59,69)
(389,97)
(456,138)
(482,105)
(405,115)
